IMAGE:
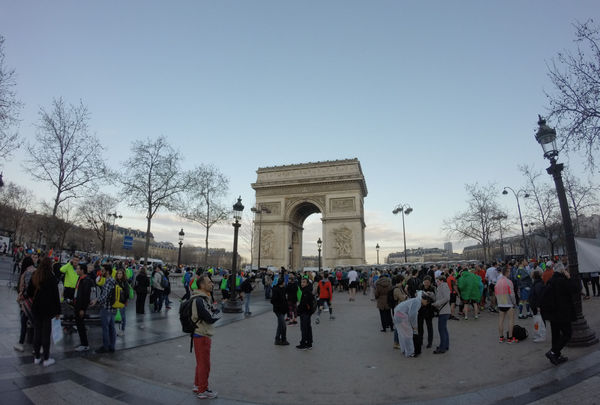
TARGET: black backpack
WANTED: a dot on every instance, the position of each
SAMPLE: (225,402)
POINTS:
(390,298)
(185,315)
(520,333)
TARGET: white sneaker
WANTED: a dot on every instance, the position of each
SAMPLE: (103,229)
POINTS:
(120,333)
(208,394)
(539,340)
(82,348)
(49,362)
(37,361)
(19,347)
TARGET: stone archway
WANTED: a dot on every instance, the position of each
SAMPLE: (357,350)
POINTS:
(289,194)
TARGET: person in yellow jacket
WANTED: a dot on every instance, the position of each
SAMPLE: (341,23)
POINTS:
(71,277)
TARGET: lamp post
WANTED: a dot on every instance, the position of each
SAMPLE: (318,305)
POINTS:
(39,244)
(500,218)
(546,137)
(260,211)
(233,305)
(114,216)
(290,249)
(530,225)
(377,249)
(181,234)
(319,245)
(404,209)
(517,193)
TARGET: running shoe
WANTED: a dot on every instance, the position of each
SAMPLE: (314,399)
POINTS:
(208,394)
(501,339)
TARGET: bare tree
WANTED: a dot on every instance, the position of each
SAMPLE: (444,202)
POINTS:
(9,108)
(202,202)
(153,179)
(93,212)
(15,201)
(479,221)
(575,103)
(64,154)
(582,197)
(542,205)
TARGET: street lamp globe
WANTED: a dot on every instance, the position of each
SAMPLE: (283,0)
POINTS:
(181,234)
(504,192)
(237,209)
(546,137)
(319,243)
(408,210)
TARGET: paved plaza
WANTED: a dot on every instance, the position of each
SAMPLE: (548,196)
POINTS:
(352,362)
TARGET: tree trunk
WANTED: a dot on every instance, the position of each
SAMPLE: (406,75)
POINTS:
(147,246)
(207,229)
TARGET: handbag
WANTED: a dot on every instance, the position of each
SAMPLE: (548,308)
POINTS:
(26,304)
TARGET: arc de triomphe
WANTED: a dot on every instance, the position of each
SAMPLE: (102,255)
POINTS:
(287,195)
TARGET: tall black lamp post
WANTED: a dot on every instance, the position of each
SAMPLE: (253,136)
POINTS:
(319,245)
(181,234)
(260,211)
(377,249)
(290,251)
(233,305)
(114,216)
(405,209)
(517,193)
(500,218)
(546,137)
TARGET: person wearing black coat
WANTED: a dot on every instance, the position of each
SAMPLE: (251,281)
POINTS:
(305,310)
(83,291)
(280,307)
(558,307)
(43,287)
(141,290)
(291,290)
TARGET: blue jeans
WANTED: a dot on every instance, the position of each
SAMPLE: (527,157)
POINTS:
(109,334)
(443,330)
(160,298)
(281,327)
(247,303)
(268,291)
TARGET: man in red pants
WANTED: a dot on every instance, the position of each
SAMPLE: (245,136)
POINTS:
(204,314)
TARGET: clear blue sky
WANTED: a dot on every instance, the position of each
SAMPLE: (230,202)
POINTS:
(428,95)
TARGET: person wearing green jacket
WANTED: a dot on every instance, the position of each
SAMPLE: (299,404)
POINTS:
(470,291)
(71,278)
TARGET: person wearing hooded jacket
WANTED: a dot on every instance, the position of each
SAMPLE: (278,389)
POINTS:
(382,287)
(305,310)
(470,287)
(280,308)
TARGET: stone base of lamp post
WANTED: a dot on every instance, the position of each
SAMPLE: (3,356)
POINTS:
(233,306)
(582,335)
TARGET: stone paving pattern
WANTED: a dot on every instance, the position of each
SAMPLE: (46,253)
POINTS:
(352,362)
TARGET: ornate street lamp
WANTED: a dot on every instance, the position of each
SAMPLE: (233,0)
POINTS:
(377,248)
(546,137)
(405,209)
(114,216)
(319,245)
(233,305)
(290,251)
(181,234)
(260,211)
(516,194)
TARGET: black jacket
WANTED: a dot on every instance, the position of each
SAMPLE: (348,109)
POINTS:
(280,304)
(307,301)
(142,282)
(536,295)
(291,290)
(83,292)
(46,300)
(562,291)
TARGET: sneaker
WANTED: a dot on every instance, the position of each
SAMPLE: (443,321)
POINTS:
(309,347)
(396,345)
(49,362)
(284,343)
(466,318)
(317,320)
(19,347)
(331,317)
(37,361)
(82,348)
(476,316)
(301,347)
(512,340)
(208,394)
(120,333)
(195,390)
(539,340)
(552,357)
(501,339)
(561,359)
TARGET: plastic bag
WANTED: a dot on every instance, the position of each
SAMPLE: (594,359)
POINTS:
(118,317)
(539,329)
(57,331)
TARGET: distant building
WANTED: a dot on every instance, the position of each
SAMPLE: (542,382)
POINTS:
(448,247)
